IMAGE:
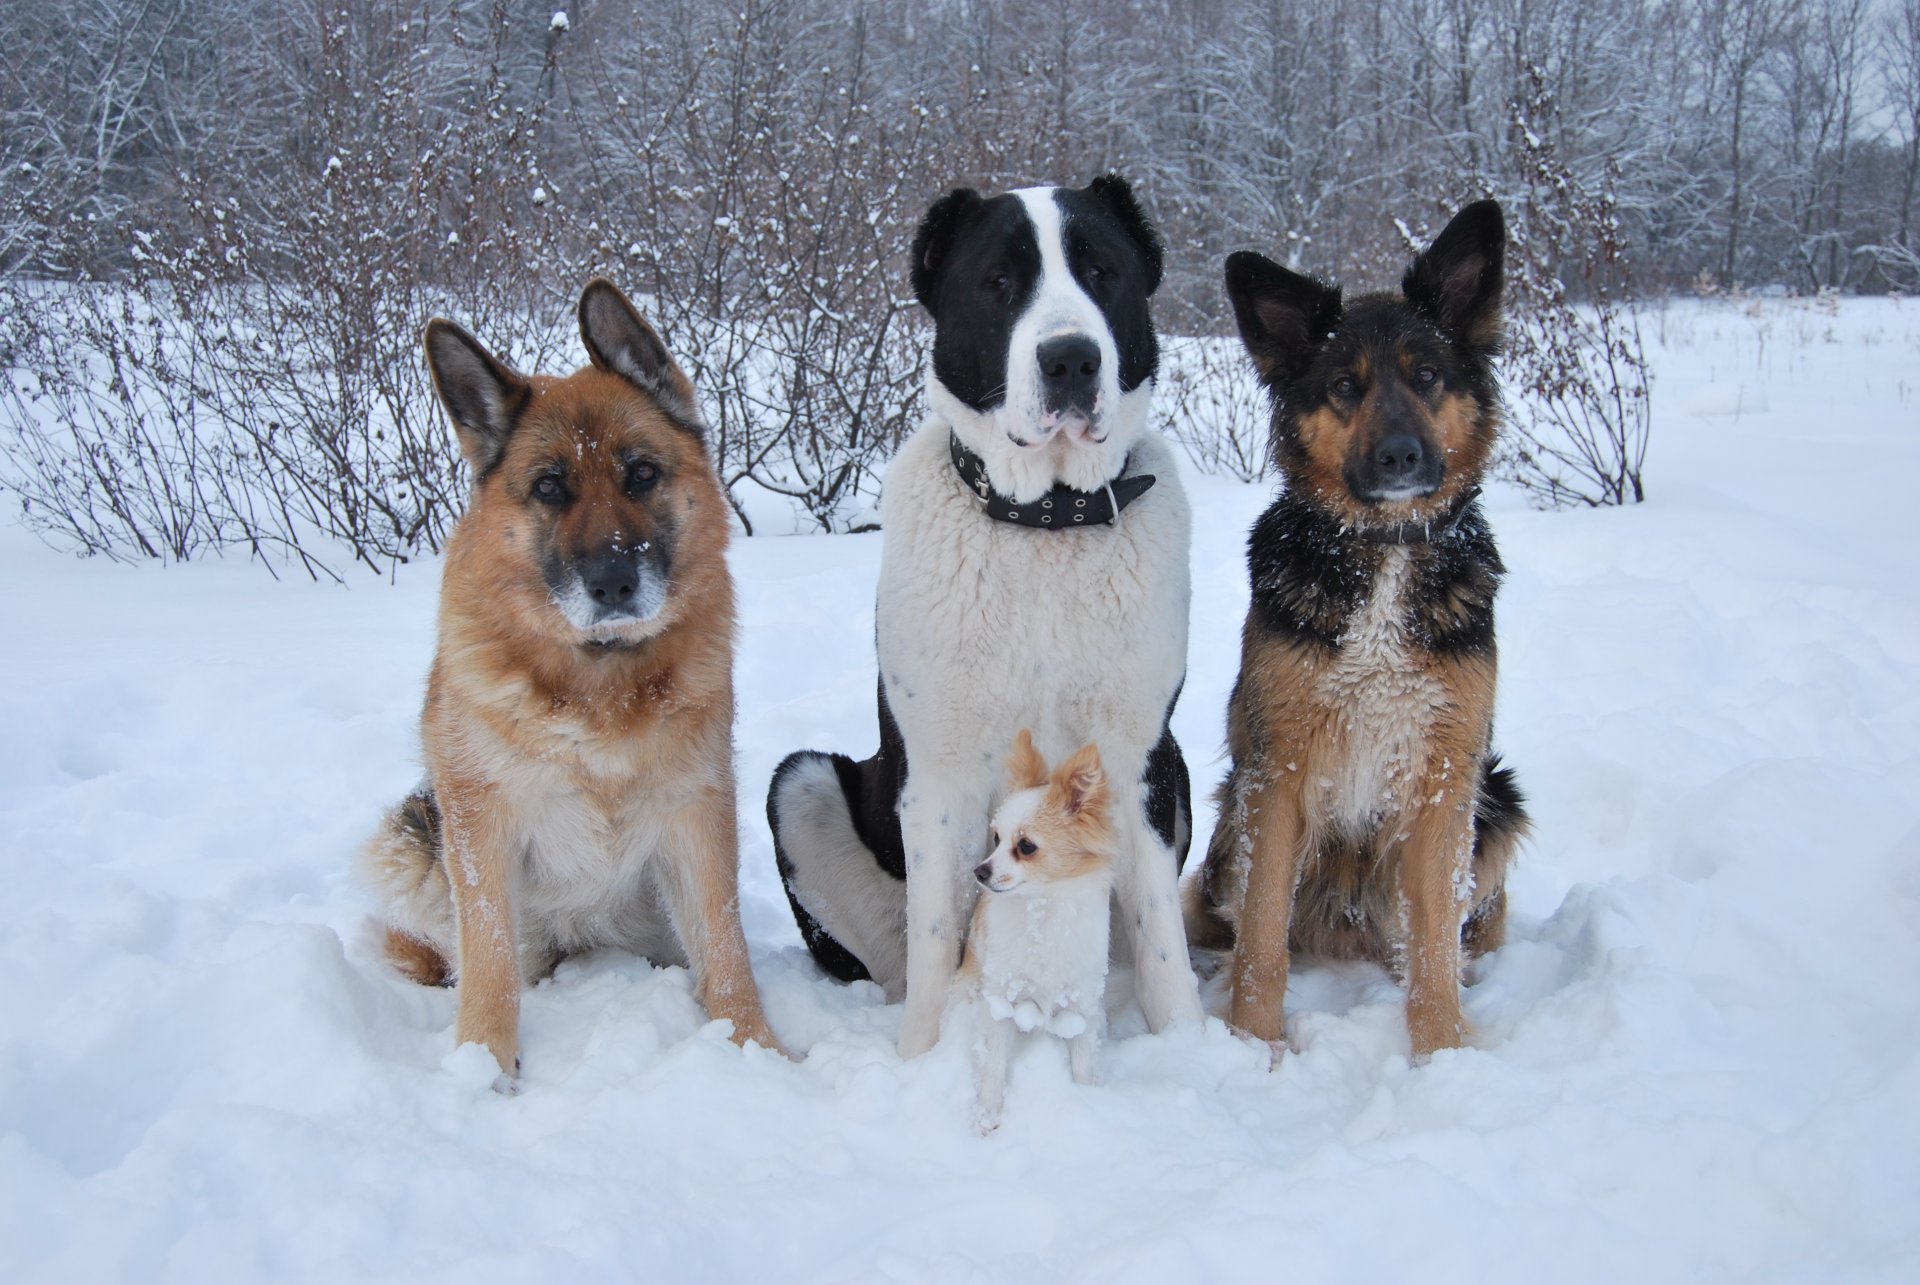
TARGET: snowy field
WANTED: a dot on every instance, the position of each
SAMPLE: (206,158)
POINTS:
(1697,1059)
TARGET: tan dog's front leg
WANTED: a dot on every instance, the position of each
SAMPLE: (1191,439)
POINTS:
(1272,828)
(1436,888)
(478,856)
(702,884)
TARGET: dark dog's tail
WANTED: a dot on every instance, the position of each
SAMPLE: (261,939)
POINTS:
(1500,822)
(402,864)
(851,910)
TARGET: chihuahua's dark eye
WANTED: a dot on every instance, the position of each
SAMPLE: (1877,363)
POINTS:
(549,489)
(993,839)
(1024,848)
(1425,376)
(640,476)
(1344,387)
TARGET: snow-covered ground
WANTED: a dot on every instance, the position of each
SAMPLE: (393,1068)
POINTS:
(1698,1057)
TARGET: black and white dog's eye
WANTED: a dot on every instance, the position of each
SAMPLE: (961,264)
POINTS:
(1098,271)
(998,283)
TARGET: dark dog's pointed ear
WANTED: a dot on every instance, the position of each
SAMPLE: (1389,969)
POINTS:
(935,238)
(1117,195)
(621,343)
(483,397)
(1457,282)
(1282,314)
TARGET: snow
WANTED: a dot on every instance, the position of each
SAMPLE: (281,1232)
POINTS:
(1697,1059)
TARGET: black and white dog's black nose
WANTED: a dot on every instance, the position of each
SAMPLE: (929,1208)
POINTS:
(1069,372)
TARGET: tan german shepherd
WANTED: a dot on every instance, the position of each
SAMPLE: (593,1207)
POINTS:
(578,729)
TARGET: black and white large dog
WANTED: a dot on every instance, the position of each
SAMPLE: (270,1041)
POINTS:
(1034,575)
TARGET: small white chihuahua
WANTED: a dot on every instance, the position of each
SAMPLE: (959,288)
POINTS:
(1037,951)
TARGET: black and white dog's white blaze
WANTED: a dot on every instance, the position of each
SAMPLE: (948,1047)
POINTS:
(1043,365)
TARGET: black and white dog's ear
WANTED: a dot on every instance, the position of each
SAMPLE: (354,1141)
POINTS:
(935,238)
(621,343)
(1457,282)
(1283,316)
(1116,194)
(482,395)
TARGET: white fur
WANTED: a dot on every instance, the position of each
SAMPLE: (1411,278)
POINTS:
(985,627)
(859,904)
(1040,964)
(1389,705)
(580,879)
(1057,448)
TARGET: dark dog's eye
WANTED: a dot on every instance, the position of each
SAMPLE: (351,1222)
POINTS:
(640,476)
(1024,848)
(549,489)
(1425,376)
(1344,386)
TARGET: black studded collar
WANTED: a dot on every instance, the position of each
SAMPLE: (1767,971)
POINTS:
(1060,509)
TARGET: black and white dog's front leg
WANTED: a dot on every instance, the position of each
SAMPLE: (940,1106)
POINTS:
(1147,890)
(943,828)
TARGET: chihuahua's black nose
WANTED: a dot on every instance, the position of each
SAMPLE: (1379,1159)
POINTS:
(983,871)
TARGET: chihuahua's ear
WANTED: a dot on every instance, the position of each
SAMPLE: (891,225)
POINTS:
(1026,770)
(1081,782)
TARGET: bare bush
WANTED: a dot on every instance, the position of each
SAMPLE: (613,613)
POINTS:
(1576,371)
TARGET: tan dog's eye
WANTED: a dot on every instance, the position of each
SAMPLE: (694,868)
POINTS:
(641,475)
(1024,848)
(550,490)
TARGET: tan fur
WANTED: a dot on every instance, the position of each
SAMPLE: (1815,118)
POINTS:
(1455,425)
(606,774)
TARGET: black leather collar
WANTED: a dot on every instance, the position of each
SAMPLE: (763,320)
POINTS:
(1060,509)
(1425,531)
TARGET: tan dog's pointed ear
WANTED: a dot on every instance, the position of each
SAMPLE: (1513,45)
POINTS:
(482,394)
(1026,770)
(619,341)
(1081,783)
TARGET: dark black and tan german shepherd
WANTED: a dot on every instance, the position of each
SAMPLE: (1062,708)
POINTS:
(1364,815)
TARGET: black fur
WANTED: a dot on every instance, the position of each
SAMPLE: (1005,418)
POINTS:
(1310,574)
(836,960)
(976,265)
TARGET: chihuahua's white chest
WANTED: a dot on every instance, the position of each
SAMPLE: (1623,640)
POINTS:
(1042,956)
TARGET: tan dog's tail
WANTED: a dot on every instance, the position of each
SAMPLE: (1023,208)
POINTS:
(401,864)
